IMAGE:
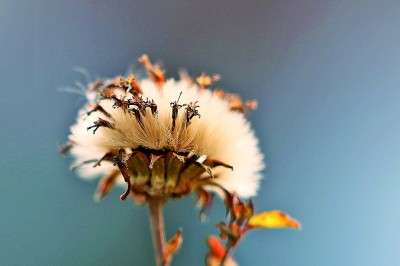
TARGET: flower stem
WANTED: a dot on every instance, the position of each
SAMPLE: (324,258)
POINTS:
(228,247)
(157,226)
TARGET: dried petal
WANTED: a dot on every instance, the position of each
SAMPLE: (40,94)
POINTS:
(139,199)
(206,168)
(190,172)
(105,184)
(77,165)
(229,204)
(214,163)
(204,202)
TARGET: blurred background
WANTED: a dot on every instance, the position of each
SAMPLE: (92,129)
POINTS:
(327,78)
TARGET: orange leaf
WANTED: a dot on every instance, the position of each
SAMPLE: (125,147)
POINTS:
(173,245)
(216,248)
(273,219)
(105,184)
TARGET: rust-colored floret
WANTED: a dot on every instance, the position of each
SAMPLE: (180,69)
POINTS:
(155,71)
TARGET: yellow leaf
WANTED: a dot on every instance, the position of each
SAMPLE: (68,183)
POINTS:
(273,219)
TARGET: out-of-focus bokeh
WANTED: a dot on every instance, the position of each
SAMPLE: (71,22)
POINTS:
(327,78)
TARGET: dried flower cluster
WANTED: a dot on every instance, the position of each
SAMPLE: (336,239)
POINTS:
(166,139)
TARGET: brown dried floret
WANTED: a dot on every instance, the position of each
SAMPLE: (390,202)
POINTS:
(175,108)
(120,160)
(236,103)
(191,111)
(130,84)
(206,81)
(155,71)
(100,123)
(98,108)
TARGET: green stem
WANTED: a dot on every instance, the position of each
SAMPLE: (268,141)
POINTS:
(157,226)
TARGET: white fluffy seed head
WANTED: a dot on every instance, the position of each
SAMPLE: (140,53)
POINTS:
(218,134)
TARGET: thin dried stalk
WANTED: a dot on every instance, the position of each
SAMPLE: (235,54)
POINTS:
(157,226)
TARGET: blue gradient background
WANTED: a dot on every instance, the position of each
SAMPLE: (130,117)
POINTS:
(327,77)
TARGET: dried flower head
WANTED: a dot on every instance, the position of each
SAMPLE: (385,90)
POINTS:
(165,138)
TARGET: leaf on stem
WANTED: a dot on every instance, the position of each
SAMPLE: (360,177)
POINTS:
(173,245)
(272,219)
